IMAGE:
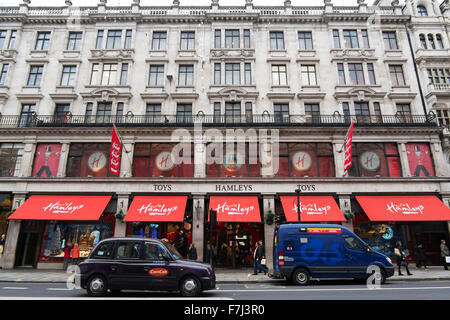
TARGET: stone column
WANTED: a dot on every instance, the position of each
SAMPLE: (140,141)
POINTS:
(199,159)
(63,158)
(26,164)
(346,208)
(198,226)
(126,162)
(12,236)
(446,201)
(268,161)
(120,228)
(406,172)
(268,206)
(339,156)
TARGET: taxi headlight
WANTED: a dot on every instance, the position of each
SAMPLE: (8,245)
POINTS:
(389,260)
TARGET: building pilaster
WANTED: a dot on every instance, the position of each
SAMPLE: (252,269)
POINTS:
(198,226)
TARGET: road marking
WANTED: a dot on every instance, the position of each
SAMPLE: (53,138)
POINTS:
(59,289)
(14,288)
(330,289)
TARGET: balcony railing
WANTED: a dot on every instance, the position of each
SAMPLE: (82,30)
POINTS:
(260,120)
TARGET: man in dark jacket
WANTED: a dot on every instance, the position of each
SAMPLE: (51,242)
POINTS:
(258,255)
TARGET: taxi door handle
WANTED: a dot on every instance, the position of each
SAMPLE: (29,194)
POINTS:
(113,268)
(146,269)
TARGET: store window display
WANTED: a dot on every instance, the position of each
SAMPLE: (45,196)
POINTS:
(88,160)
(46,160)
(420,159)
(375,159)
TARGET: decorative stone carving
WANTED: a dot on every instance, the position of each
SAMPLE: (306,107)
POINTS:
(218,53)
(352,53)
(120,53)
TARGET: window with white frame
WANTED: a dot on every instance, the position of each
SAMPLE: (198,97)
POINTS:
(186,75)
(109,74)
(3,73)
(187,40)
(74,41)
(309,77)
(156,75)
(68,75)
(232,39)
(159,40)
(35,75)
(10,43)
(390,40)
(305,40)
(397,76)
(279,75)
(232,73)
(276,40)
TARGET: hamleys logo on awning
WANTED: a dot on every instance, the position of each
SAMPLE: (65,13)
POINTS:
(312,209)
(66,207)
(156,209)
(404,208)
(233,209)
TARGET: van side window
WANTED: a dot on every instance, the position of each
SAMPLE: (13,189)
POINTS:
(129,250)
(104,251)
(353,243)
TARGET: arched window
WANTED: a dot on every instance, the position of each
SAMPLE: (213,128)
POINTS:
(422,11)
(440,44)
(431,41)
(423,42)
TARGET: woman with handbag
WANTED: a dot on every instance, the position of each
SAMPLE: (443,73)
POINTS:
(401,259)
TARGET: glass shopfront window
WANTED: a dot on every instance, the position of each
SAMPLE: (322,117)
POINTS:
(375,159)
(59,235)
(305,159)
(163,160)
(10,159)
(46,160)
(5,208)
(88,160)
(239,160)
(420,159)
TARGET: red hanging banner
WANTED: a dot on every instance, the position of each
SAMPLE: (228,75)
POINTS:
(348,149)
(115,152)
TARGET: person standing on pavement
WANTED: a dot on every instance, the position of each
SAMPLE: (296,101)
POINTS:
(444,253)
(258,255)
(421,259)
(192,252)
(66,256)
(209,254)
(75,252)
(401,259)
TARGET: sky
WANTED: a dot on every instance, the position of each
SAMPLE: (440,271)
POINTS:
(44,3)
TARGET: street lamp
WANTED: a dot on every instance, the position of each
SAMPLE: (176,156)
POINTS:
(297,192)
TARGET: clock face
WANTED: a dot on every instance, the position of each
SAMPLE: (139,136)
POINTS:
(164,161)
(97,161)
(233,161)
(301,161)
(370,161)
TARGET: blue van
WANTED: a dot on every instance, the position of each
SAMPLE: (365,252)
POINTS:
(305,251)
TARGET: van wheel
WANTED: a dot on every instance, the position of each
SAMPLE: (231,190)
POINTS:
(301,277)
(190,287)
(97,286)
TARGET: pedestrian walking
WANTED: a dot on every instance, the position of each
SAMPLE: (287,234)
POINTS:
(421,259)
(401,259)
(2,244)
(258,255)
(444,254)
(66,256)
(192,254)
(209,254)
(75,253)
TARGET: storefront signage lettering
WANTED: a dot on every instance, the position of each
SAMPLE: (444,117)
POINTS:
(233,209)
(156,209)
(162,187)
(57,207)
(404,208)
(234,187)
(312,208)
(307,187)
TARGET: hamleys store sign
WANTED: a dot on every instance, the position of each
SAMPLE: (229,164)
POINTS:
(404,208)
(312,209)
(64,208)
(157,209)
(234,208)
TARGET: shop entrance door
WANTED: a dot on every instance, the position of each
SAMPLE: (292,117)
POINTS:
(431,243)
(28,246)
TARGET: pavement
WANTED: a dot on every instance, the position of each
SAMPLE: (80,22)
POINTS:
(22,275)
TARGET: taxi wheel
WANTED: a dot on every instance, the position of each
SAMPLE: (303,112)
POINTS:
(301,277)
(190,287)
(97,286)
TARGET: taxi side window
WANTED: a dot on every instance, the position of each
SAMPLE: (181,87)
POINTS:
(153,251)
(104,251)
(353,243)
(128,250)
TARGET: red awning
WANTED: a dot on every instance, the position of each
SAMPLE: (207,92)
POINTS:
(404,208)
(157,209)
(61,207)
(313,209)
(235,208)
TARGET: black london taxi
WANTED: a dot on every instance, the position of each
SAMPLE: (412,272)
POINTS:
(142,264)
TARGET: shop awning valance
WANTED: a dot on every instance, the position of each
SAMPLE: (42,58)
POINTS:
(235,208)
(61,207)
(404,208)
(312,209)
(157,209)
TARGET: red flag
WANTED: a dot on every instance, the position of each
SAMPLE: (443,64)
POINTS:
(115,153)
(348,148)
